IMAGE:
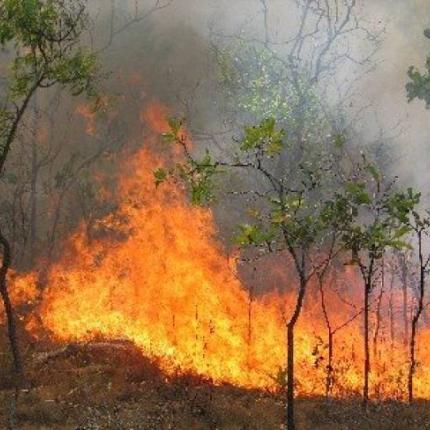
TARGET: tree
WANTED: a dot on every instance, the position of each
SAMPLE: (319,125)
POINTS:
(45,36)
(296,81)
(291,213)
(419,225)
(403,269)
(331,327)
(378,223)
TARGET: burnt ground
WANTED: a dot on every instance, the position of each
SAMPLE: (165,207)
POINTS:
(111,386)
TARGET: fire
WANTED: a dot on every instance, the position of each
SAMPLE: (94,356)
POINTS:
(166,285)
(157,275)
(90,117)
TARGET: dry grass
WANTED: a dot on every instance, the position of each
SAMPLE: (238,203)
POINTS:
(114,387)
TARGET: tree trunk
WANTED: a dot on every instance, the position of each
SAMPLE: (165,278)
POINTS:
(412,363)
(366,346)
(378,317)
(290,378)
(329,368)
(391,310)
(33,202)
(329,375)
(249,334)
(290,353)
(33,183)
(404,280)
(10,317)
(415,319)
(405,312)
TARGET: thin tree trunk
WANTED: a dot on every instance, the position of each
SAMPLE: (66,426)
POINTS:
(290,378)
(249,334)
(415,320)
(33,201)
(391,311)
(33,184)
(378,315)
(405,313)
(412,363)
(291,425)
(266,23)
(329,368)
(10,316)
(6,259)
(250,303)
(404,280)
(366,346)
(329,376)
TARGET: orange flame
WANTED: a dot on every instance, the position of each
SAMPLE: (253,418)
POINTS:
(166,284)
(90,118)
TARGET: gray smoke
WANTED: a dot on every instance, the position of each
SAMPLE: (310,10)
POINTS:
(172,48)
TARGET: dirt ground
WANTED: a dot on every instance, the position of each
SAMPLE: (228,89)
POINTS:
(112,386)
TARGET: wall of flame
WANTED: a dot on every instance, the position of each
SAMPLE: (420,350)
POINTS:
(165,283)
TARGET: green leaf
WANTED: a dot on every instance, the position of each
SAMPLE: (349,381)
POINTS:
(252,234)
(168,137)
(373,170)
(263,136)
(175,124)
(160,176)
(358,193)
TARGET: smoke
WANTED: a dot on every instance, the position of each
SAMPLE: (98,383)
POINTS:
(170,53)
(173,51)
(404,45)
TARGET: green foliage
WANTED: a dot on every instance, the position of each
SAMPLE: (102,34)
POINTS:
(374,171)
(259,84)
(196,174)
(364,214)
(253,79)
(378,216)
(252,234)
(201,180)
(160,176)
(357,193)
(263,137)
(419,84)
(175,128)
(294,215)
(289,219)
(45,36)
(403,203)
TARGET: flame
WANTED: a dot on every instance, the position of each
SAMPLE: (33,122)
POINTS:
(89,115)
(157,117)
(157,275)
(160,286)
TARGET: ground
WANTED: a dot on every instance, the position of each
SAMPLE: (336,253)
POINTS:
(108,385)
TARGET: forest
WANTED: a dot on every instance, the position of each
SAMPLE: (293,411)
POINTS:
(214,215)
